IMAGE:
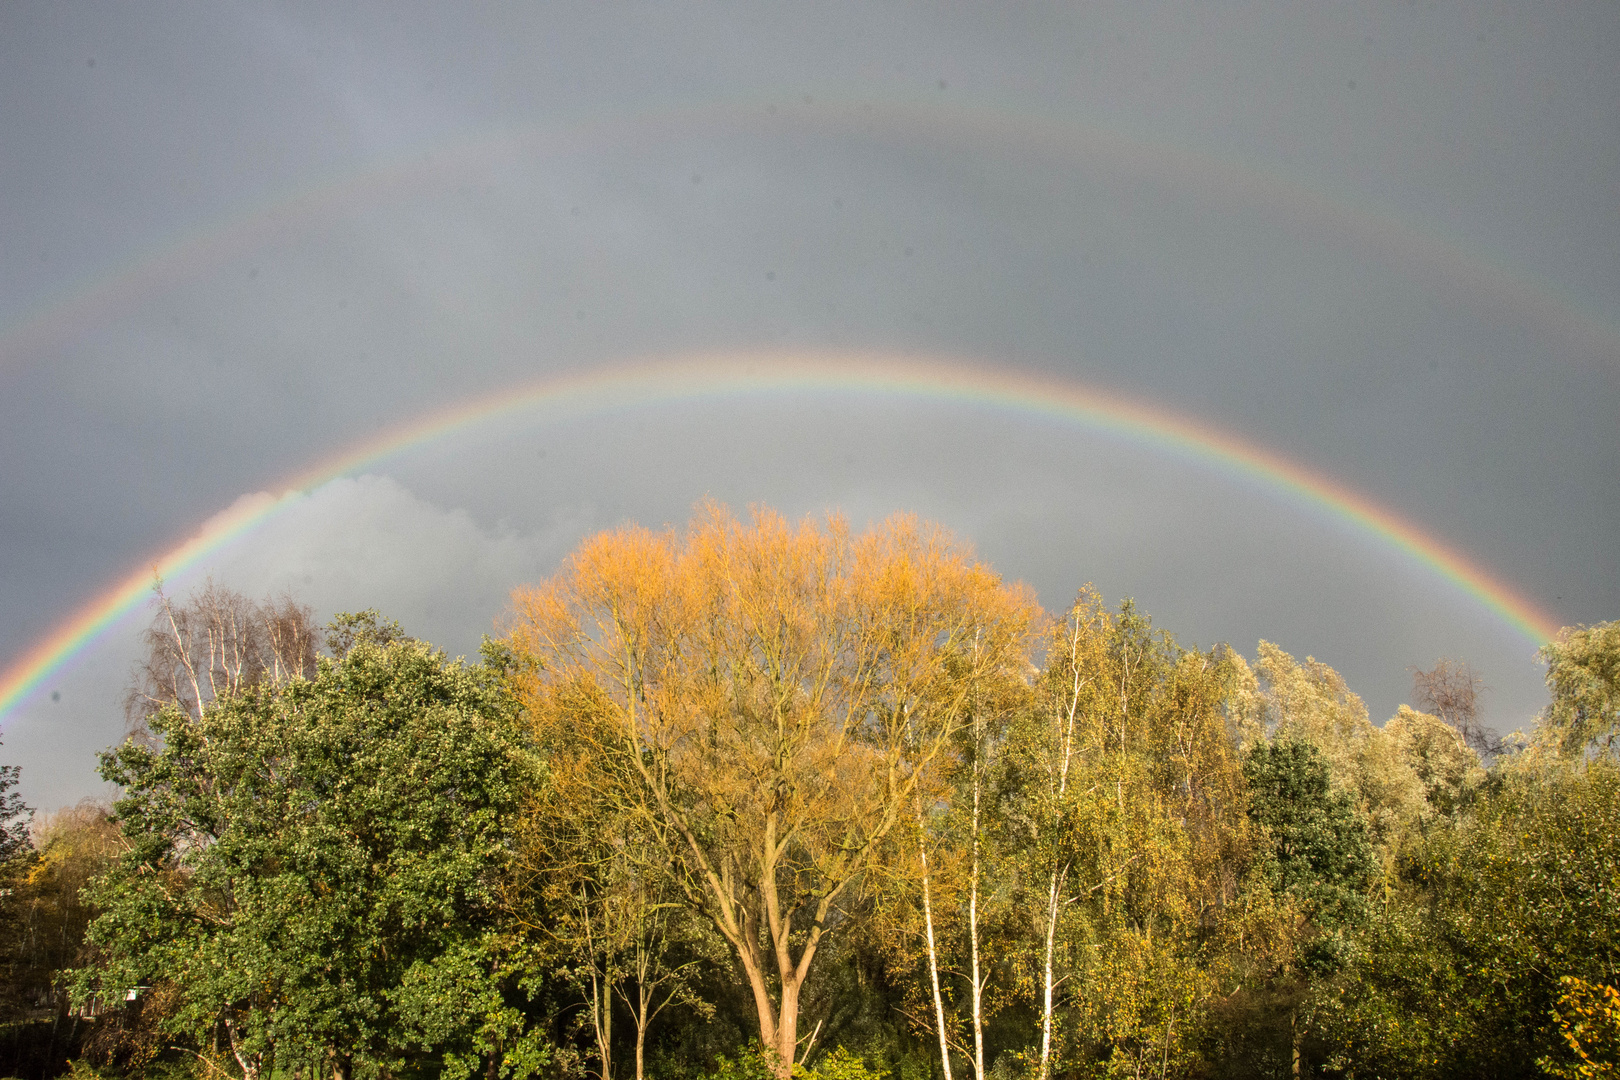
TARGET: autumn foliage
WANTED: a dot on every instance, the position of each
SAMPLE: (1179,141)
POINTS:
(763,699)
(760,799)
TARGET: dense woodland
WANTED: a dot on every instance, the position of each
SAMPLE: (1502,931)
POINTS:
(759,798)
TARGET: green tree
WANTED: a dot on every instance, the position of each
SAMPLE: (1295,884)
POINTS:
(1316,856)
(350,628)
(1315,849)
(1583,674)
(16,861)
(1458,972)
(1134,844)
(312,869)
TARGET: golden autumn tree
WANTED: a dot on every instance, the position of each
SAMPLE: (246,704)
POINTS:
(762,699)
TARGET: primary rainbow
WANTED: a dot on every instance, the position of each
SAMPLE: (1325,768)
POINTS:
(697,378)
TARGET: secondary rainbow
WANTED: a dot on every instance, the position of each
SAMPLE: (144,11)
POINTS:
(1225,181)
(684,380)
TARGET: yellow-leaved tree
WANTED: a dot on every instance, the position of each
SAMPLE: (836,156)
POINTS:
(1136,843)
(761,700)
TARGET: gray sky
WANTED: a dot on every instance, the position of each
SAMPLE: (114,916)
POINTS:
(1378,240)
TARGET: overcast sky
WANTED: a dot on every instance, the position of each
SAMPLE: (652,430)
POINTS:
(1381,240)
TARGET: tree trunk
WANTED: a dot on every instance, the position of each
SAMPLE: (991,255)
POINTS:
(764,1007)
(644,995)
(248,1062)
(602,1020)
(787,1029)
(1053,901)
(1047,981)
(973,918)
(933,958)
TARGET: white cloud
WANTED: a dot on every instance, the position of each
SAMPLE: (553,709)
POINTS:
(369,542)
(349,544)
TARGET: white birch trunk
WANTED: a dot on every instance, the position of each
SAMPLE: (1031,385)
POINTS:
(601,995)
(973,915)
(1059,874)
(1048,983)
(933,957)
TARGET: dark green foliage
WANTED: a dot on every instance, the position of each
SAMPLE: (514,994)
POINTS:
(350,628)
(1458,972)
(1315,853)
(314,866)
(14,816)
(1457,975)
(16,857)
(1317,849)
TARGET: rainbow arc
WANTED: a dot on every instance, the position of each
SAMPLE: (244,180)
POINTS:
(672,382)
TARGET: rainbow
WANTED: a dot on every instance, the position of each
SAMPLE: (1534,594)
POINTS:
(1109,155)
(700,378)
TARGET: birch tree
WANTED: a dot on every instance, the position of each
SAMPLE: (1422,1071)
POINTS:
(947,896)
(217,643)
(1048,747)
(1136,840)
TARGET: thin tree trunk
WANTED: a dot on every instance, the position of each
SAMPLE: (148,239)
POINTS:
(641,1038)
(973,912)
(601,995)
(1048,983)
(643,1000)
(1059,874)
(602,1020)
(248,1062)
(933,957)
(602,1010)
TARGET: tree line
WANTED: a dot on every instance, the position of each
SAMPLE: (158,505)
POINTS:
(760,799)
